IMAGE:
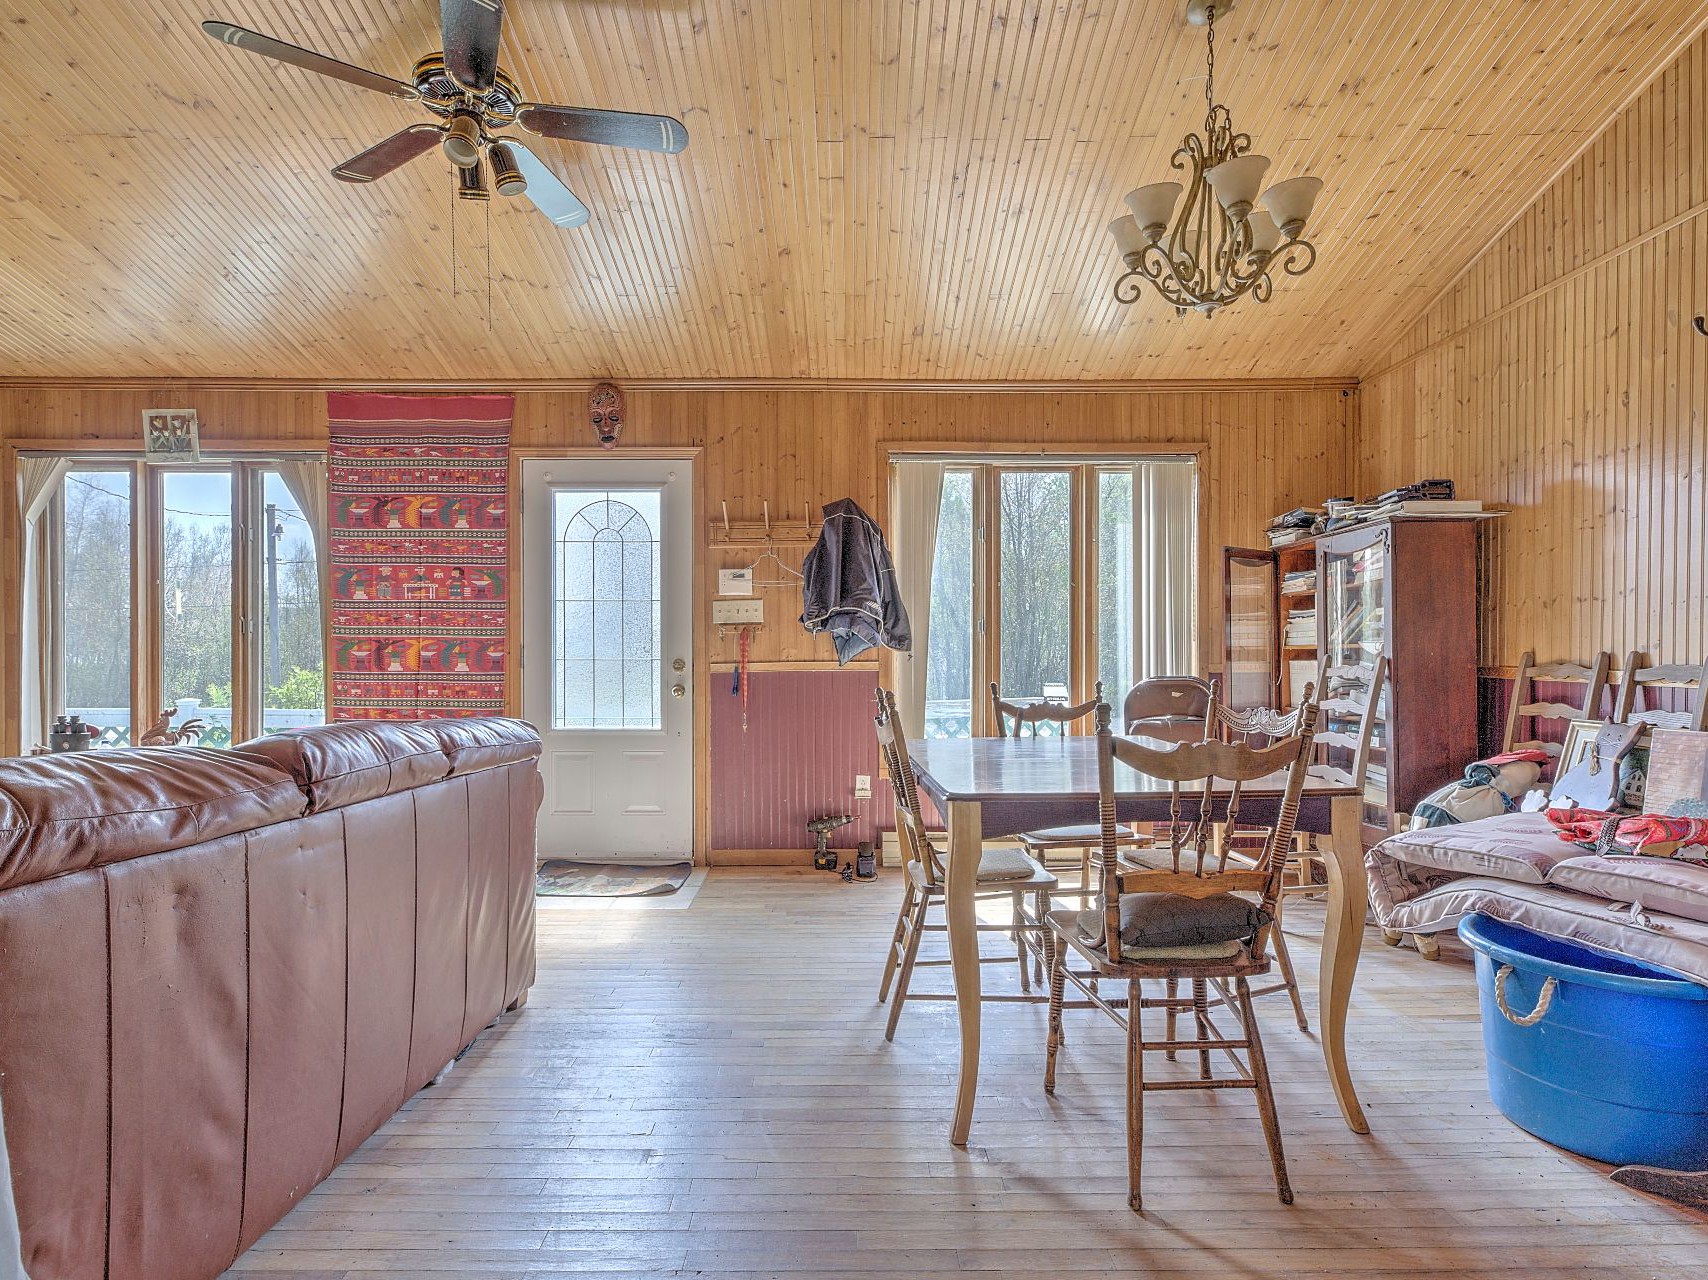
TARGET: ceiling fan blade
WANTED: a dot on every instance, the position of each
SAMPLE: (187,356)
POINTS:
(396,151)
(471,29)
(547,191)
(607,128)
(308,60)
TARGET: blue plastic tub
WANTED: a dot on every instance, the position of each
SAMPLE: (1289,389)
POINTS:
(1612,1062)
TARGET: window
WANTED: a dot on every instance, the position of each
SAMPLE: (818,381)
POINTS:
(1052,576)
(606,629)
(195,588)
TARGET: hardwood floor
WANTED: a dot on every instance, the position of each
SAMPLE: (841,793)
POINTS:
(707,1092)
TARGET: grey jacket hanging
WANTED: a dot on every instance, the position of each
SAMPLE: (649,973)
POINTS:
(850,587)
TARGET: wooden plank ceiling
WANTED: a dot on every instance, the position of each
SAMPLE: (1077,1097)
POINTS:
(900,189)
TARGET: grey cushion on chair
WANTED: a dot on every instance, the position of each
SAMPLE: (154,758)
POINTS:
(998,866)
(1164,925)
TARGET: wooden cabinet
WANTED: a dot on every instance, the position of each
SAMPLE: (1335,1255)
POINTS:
(1406,586)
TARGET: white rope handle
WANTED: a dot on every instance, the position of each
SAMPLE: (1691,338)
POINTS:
(1542,1001)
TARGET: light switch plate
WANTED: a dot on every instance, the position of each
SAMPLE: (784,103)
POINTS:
(862,786)
(738,613)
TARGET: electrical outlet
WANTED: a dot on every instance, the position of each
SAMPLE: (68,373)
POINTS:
(738,613)
(862,786)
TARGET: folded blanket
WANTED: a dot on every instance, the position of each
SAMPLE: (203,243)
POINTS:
(1650,834)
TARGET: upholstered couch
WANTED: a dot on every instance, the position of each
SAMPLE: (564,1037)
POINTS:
(1516,868)
(221,971)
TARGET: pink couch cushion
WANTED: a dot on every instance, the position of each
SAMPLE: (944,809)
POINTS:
(1510,846)
(1665,885)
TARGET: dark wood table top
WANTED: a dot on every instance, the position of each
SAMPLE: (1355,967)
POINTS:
(1025,783)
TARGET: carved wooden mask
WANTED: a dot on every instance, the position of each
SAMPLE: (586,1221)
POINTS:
(607,410)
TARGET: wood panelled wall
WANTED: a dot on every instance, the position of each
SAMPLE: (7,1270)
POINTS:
(1266,448)
(1560,375)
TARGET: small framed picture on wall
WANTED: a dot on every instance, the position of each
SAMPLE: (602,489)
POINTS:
(171,435)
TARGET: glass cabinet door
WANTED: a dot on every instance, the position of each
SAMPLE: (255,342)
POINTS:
(1251,663)
(1354,634)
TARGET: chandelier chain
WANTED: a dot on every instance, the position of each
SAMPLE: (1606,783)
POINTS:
(1210,59)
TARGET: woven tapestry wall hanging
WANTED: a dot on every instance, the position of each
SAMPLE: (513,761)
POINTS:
(419,546)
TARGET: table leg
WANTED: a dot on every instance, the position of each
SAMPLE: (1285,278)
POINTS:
(966,846)
(1343,936)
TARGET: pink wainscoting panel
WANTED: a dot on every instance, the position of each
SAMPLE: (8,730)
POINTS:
(808,734)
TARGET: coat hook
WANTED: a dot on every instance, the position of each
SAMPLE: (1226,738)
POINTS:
(724,503)
(767,517)
(1701,325)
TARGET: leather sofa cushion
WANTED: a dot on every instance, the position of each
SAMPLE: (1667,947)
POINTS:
(486,743)
(1660,884)
(1520,847)
(67,812)
(343,764)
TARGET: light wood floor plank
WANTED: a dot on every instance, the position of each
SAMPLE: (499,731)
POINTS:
(708,1092)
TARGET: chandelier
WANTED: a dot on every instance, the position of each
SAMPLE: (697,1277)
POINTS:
(1226,240)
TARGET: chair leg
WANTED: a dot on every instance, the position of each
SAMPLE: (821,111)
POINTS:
(1135,1093)
(1020,946)
(1285,960)
(904,978)
(1041,955)
(1172,991)
(894,957)
(1058,987)
(1201,1017)
(1265,1095)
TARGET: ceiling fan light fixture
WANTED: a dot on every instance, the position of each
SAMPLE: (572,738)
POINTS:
(471,182)
(462,140)
(507,176)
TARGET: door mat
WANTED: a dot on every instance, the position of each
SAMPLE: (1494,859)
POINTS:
(561,878)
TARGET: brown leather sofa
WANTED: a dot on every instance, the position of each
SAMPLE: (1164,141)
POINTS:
(221,971)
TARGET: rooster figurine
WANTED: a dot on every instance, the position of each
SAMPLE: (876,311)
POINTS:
(162,734)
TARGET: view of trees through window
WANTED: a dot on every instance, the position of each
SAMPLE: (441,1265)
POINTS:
(194,606)
(1037,588)
(949,675)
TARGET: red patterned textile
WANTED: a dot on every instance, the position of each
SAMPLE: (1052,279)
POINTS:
(1646,833)
(419,547)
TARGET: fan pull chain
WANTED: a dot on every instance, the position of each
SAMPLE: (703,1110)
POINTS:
(453,233)
(488,204)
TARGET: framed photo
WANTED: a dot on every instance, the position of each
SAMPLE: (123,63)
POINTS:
(171,435)
(1678,770)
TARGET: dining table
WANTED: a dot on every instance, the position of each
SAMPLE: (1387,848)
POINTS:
(987,788)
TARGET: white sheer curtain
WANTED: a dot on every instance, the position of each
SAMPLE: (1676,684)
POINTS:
(11,1248)
(39,481)
(1165,579)
(916,500)
(307,482)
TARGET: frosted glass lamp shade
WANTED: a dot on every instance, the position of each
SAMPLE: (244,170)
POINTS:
(1128,238)
(1265,235)
(1236,182)
(1290,203)
(1153,206)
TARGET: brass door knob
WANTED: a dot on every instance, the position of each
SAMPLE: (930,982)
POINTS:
(678,691)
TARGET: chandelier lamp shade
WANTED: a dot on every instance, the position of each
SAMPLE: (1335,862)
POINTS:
(1218,235)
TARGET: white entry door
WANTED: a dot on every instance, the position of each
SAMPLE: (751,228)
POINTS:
(607,654)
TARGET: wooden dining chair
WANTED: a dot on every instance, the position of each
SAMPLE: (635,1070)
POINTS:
(1525,715)
(1260,727)
(1015,719)
(1188,922)
(1004,873)
(1640,677)
(1171,708)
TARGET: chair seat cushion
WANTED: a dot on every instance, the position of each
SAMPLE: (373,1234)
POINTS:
(1521,847)
(1085,834)
(998,866)
(1660,884)
(1158,925)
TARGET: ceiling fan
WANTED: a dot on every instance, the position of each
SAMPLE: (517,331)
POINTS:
(474,98)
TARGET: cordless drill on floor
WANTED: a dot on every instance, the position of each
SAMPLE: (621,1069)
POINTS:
(823,856)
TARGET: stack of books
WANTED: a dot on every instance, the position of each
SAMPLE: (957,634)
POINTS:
(1290,526)
(1299,582)
(1301,631)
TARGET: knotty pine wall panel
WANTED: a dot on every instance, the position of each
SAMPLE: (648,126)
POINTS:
(1266,448)
(1560,376)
